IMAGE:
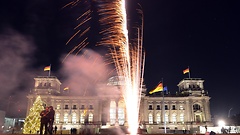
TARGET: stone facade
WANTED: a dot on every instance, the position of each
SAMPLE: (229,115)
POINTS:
(185,110)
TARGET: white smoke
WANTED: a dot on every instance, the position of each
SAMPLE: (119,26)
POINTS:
(84,72)
(15,74)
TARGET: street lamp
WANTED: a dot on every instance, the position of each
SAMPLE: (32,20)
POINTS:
(221,123)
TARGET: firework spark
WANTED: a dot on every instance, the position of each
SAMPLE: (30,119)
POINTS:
(128,57)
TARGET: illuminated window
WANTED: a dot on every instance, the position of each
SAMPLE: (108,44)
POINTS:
(166,117)
(58,107)
(82,116)
(121,116)
(112,112)
(174,118)
(57,117)
(74,118)
(182,117)
(158,118)
(90,118)
(181,107)
(150,118)
(65,118)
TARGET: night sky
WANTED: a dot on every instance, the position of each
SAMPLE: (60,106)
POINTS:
(204,35)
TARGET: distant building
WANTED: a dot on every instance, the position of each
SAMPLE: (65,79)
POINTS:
(186,110)
(13,125)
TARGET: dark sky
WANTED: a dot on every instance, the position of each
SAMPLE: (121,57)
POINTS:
(203,35)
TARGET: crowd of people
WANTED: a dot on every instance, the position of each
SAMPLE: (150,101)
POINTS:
(47,119)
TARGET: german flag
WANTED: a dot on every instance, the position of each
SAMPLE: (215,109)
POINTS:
(186,71)
(47,68)
(66,88)
(157,89)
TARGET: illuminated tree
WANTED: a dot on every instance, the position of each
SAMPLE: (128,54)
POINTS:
(32,121)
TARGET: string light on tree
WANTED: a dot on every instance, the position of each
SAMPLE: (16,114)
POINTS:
(32,121)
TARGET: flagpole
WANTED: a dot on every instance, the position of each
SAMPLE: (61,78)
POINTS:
(163,106)
(189,72)
(49,72)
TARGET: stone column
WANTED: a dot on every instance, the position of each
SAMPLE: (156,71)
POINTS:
(107,110)
(145,111)
(207,110)
(188,111)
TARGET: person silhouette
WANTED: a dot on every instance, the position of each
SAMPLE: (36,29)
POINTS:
(51,115)
(55,130)
(44,120)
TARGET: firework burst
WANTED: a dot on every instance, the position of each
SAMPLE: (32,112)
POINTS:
(127,57)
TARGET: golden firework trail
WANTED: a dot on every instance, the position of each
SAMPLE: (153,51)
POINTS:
(128,57)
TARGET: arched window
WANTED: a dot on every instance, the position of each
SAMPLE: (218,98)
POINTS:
(158,118)
(57,117)
(166,118)
(121,116)
(112,112)
(174,118)
(90,118)
(74,118)
(150,118)
(65,118)
(181,117)
(82,116)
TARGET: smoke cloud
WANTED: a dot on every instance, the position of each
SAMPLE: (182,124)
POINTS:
(16,76)
(85,72)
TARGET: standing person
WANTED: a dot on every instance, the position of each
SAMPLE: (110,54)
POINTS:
(55,130)
(51,119)
(44,120)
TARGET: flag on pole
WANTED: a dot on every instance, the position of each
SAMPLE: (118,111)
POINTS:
(47,68)
(165,88)
(186,71)
(66,88)
(157,89)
